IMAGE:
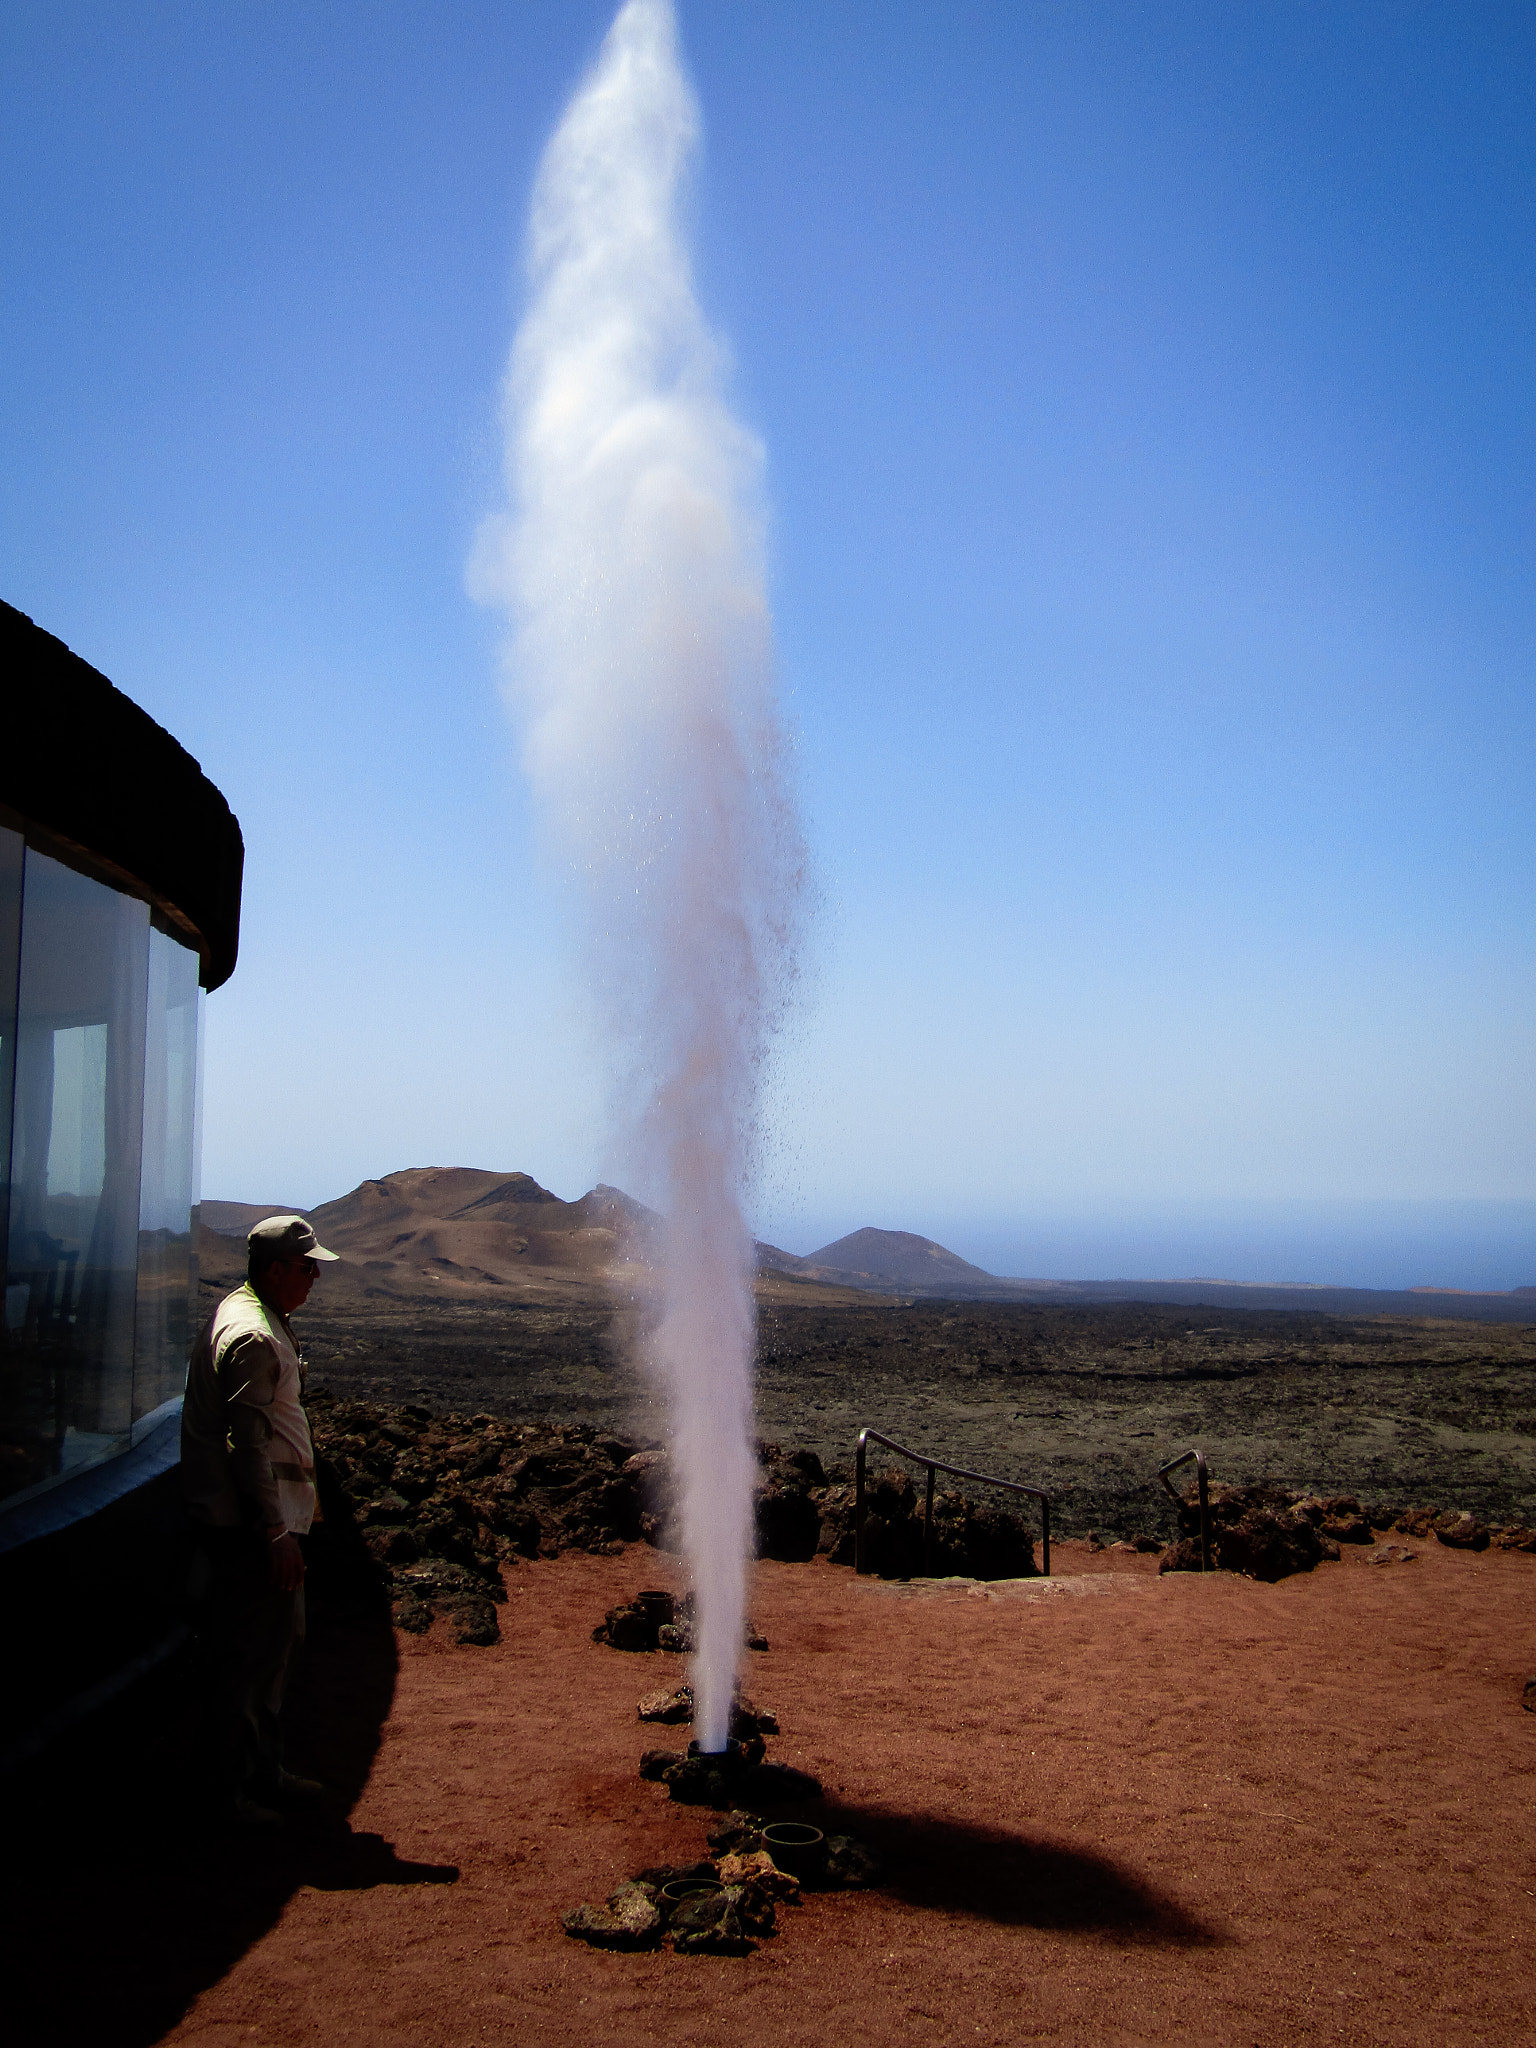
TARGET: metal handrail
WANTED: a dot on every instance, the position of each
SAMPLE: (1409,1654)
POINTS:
(1202,1484)
(937,1465)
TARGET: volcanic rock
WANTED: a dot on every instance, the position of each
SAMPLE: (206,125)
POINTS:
(438,1586)
(893,1546)
(755,1907)
(982,1540)
(891,1494)
(678,1637)
(836,1505)
(755,1869)
(851,1865)
(472,1492)
(696,1779)
(670,1708)
(643,1625)
(739,1833)
(1339,1517)
(473,1621)
(628,1627)
(787,1516)
(970,1539)
(385,1506)
(630,1920)
(1270,1547)
(393,1546)
(1416,1521)
(1515,1537)
(787,1519)
(786,1513)
(808,1465)
(723,1777)
(709,1926)
(1461,1531)
(700,1781)
(1392,1553)
(1256,1530)
(747,1720)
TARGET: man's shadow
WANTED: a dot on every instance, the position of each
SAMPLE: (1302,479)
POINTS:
(121,1902)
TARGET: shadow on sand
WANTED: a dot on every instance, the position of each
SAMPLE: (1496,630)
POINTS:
(121,1905)
(1013,1880)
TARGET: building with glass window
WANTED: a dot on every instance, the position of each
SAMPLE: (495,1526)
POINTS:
(120,872)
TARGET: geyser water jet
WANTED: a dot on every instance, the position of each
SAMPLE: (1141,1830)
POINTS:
(631,563)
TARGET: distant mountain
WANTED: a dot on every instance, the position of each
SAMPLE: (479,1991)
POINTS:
(771,1260)
(890,1258)
(234,1219)
(454,1227)
(462,1233)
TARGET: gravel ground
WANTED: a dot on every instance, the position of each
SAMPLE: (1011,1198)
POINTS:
(1116,1811)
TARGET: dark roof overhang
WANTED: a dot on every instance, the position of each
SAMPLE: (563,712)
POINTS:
(94,781)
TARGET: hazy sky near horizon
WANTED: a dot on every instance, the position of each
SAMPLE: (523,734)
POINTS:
(1148,406)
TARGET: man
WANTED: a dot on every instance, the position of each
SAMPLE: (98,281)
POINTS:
(248,1471)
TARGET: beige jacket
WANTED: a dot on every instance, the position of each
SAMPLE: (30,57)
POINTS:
(246,1454)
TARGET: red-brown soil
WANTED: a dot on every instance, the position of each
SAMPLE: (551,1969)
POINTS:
(1116,1808)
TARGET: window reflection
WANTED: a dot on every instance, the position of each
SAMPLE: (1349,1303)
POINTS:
(100,1043)
(168,1191)
(14,1462)
(75,1168)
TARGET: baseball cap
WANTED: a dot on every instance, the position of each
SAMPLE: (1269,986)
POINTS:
(287,1237)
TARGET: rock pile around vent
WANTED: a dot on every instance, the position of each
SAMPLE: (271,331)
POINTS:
(739,1771)
(1269,1532)
(723,1904)
(717,1907)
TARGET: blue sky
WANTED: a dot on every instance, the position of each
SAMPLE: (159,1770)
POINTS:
(1148,402)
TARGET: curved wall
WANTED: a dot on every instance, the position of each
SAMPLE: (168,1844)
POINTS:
(91,779)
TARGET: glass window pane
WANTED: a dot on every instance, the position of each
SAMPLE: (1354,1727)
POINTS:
(13,1459)
(67,1390)
(168,1190)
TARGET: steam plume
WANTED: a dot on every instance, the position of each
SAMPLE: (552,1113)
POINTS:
(632,565)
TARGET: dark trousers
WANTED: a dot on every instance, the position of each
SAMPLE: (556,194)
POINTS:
(252,1635)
